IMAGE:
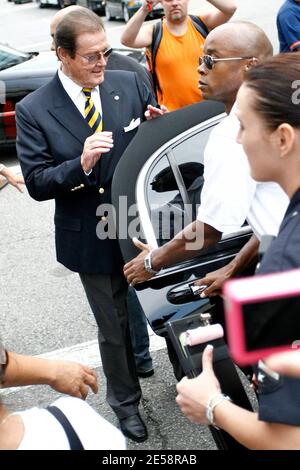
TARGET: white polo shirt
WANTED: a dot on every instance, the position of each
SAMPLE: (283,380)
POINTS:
(229,195)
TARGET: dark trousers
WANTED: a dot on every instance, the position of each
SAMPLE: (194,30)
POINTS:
(138,332)
(107,295)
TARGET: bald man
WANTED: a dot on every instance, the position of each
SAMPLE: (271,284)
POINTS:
(229,195)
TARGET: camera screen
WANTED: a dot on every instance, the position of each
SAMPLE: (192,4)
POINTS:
(272,323)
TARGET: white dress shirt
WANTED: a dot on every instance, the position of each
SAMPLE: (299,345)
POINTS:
(76,94)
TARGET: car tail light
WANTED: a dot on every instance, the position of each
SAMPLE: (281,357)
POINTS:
(7,116)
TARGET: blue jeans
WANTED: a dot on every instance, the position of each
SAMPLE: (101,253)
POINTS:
(138,332)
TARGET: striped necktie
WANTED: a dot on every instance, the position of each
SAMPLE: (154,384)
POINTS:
(91,114)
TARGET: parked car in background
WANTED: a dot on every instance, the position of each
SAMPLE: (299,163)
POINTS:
(98,6)
(22,73)
(59,3)
(124,9)
(10,57)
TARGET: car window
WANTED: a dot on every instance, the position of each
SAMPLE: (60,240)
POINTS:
(173,185)
(10,57)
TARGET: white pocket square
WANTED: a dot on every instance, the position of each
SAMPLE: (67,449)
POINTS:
(132,125)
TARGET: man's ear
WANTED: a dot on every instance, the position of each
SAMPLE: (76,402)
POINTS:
(61,54)
(251,63)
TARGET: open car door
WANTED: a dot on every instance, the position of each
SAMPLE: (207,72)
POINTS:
(155,192)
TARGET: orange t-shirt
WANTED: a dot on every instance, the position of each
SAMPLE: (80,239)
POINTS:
(176,65)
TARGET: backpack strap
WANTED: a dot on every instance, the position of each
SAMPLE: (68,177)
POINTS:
(74,441)
(156,39)
(199,25)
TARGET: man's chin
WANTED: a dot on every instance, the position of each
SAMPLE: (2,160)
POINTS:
(177,16)
(97,78)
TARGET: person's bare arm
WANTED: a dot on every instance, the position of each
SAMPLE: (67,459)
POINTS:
(241,424)
(187,244)
(286,363)
(221,12)
(215,279)
(135,34)
(15,180)
(63,376)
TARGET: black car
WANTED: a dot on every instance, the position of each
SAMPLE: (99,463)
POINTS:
(156,173)
(20,74)
(160,174)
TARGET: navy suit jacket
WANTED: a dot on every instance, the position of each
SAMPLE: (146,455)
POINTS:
(50,136)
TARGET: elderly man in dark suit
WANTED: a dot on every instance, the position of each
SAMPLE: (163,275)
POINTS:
(71,134)
(136,316)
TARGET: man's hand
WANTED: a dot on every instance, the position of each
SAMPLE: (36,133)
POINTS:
(134,271)
(94,147)
(153,112)
(193,394)
(150,4)
(214,281)
(72,378)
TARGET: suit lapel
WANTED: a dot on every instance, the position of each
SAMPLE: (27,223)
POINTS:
(67,114)
(111,101)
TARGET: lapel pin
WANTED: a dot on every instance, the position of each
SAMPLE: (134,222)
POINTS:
(116,97)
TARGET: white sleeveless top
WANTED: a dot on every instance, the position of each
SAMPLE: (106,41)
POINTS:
(42,431)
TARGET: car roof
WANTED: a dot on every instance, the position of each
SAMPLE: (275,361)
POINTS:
(43,63)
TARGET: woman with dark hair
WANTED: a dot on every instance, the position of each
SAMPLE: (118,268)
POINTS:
(268,107)
(69,423)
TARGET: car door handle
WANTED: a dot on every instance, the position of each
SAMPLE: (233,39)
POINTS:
(184,293)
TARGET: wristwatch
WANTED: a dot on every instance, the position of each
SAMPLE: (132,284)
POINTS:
(148,264)
(211,405)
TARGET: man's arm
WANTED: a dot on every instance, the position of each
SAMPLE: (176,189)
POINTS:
(134,35)
(221,12)
(187,244)
(63,376)
(215,279)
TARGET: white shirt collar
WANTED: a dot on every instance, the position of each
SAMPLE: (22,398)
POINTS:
(76,94)
(73,89)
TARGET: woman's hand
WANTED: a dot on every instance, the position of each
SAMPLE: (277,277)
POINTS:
(193,394)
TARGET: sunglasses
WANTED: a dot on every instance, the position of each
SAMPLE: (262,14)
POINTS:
(3,361)
(210,61)
(94,58)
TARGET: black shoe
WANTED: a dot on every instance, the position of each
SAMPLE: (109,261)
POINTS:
(145,373)
(134,428)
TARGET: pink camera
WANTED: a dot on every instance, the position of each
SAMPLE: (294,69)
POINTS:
(262,315)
